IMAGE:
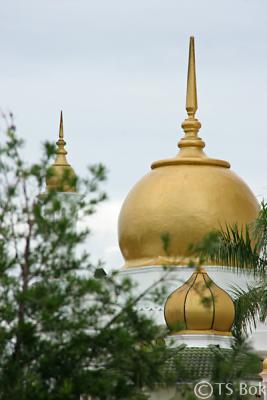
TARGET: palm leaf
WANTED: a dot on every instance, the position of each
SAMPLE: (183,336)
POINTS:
(250,306)
(232,248)
(260,227)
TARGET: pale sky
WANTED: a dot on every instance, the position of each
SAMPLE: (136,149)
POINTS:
(118,68)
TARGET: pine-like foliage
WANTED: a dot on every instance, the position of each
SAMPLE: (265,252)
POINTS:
(66,330)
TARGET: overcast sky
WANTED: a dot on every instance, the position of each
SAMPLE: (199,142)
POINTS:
(118,68)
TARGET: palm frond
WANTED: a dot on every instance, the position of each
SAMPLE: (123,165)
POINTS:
(259,228)
(231,247)
(249,307)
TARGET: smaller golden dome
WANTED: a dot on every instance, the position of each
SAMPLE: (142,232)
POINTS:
(199,306)
(61,176)
(264,365)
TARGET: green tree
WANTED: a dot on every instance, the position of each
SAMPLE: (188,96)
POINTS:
(66,329)
(244,252)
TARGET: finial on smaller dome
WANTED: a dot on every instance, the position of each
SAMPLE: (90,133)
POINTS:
(61,131)
(61,167)
(61,151)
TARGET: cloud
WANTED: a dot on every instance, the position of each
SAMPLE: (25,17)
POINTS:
(103,243)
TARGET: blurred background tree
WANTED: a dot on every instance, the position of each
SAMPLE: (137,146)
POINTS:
(66,329)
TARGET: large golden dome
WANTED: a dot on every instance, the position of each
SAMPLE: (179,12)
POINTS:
(182,198)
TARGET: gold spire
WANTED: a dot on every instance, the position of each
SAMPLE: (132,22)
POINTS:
(61,169)
(191,125)
(61,151)
(191,95)
(191,145)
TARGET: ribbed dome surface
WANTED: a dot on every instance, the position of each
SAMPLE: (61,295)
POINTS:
(199,306)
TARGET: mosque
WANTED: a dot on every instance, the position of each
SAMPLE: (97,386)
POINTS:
(174,205)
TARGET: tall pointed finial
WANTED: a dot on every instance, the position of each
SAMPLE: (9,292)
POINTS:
(191,95)
(55,179)
(61,151)
(191,145)
(191,125)
(61,131)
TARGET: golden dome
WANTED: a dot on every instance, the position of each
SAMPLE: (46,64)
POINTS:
(264,365)
(199,306)
(61,176)
(183,198)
